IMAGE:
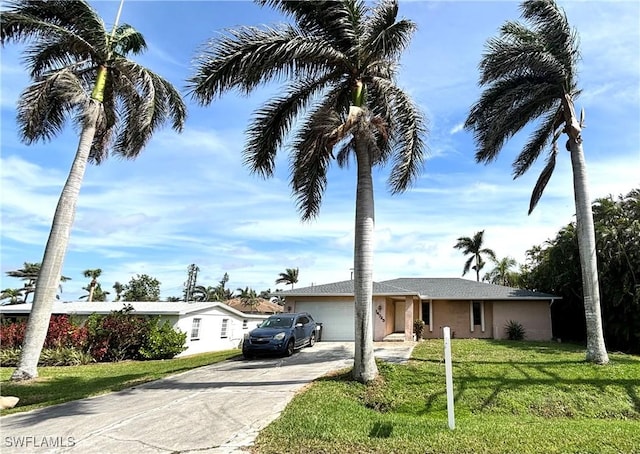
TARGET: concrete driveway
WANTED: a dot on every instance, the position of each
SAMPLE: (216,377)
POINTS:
(213,409)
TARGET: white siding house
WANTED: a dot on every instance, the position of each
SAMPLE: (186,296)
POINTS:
(210,326)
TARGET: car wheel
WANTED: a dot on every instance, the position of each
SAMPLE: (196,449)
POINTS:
(290,348)
(312,339)
(247,355)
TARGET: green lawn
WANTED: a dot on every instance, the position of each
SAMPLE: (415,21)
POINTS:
(511,397)
(55,385)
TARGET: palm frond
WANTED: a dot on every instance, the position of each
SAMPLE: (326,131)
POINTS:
(550,22)
(312,153)
(249,56)
(43,106)
(467,265)
(73,21)
(407,132)
(127,40)
(345,152)
(518,52)
(337,22)
(537,142)
(504,109)
(147,101)
(384,37)
(271,123)
(544,178)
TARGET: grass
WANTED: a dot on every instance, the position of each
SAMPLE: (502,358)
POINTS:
(55,385)
(511,397)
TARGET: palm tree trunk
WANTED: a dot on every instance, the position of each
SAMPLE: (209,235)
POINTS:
(364,366)
(92,287)
(54,253)
(596,350)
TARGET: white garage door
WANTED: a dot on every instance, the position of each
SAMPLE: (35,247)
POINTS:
(337,318)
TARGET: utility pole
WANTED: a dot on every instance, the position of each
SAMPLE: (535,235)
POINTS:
(192,277)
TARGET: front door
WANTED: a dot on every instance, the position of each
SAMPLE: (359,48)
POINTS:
(398,326)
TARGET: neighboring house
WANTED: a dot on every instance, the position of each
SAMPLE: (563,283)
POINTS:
(471,309)
(262,306)
(210,326)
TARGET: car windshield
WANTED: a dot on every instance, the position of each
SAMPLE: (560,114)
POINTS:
(277,322)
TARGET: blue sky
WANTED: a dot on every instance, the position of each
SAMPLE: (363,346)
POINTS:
(188,199)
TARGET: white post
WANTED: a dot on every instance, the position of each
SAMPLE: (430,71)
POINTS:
(449,376)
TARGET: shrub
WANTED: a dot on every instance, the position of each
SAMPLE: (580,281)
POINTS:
(12,334)
(118,335)
(62,356)
(64,333)
(163,342)
(418,328)
(9,356)
(515,330)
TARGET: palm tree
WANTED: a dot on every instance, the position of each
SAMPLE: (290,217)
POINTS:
(80,71)
(530,72)
(340,62)
(29,273)
(502,274)
(473,247)
(95,293)
(289,277)
(249,297)
(201,293)
(94,275)
(119,288)
(13,295)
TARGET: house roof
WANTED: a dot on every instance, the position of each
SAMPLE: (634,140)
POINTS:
(426,288)
(343,288)
(262,306)
(139,307)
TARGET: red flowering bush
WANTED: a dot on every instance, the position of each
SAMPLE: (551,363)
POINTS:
(12,334)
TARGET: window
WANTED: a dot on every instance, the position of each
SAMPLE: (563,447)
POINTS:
(476,313)
(427,315)
(223,331)
(195,329)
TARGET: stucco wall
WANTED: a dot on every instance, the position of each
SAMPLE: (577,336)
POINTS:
(456,315)
(535,317)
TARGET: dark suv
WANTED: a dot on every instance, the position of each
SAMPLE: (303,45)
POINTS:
(281,333)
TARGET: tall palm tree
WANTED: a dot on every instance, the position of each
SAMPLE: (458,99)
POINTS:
(339,62)
(94,275)
(473,247)
(530,73)
(501,274)
(289,277)
(80,71)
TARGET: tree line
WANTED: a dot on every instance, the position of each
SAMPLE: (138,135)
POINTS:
(554,267)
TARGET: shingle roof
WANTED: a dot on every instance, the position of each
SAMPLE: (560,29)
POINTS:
(427,288)
(343,288)
(140,307)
